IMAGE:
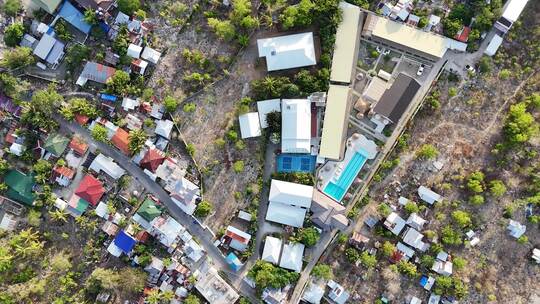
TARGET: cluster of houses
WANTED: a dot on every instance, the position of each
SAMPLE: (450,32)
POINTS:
(511,11)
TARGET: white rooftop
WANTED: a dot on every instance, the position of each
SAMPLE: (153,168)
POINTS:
(414,238)
(296,126)
(290,193)
(164,128)
(129,103)
(249,125)
(107,165)
(292,255)
(266,106)
(150,55)
(286,214)
(513,9)
(134,50)
(272,250)
(516,229)
(286,52)
(428,196)
(394,223)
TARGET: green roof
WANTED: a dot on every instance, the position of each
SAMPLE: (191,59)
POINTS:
(149,210)
(82,205)
(20,186)
(56,144)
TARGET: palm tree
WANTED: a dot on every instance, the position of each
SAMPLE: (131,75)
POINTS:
(153,297)
(137,138)
(58,215)
(167,296)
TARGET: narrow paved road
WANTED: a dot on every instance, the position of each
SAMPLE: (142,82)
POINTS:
(203,235)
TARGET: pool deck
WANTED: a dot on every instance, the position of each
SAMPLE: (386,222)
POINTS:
(332,170)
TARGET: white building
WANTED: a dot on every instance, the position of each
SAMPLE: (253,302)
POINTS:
(337,293)
(272,250)
(296,126)
(150,55)
(493,45)
(288,203)
(213,288)
(536,255)
(267,106)
(414,238)
(185,194)
(511,12)
(134,51)
(292,255)
(287,52)
(129,104)
(106,165)
(249,125)
(516,229)
(164,128)
(394,223)
(416,222)
(167,230)
(239,239)
(428,196)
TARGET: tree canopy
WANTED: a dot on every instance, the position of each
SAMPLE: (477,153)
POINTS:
(17,58)
(129,7)
(267,275)
(38,112)
(13,34)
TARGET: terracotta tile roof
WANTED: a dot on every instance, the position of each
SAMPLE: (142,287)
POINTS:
(81,119)
(64,171)
(78,145)
(121,140)
(152,159)
(90,189)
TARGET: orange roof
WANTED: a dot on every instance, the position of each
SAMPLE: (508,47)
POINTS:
(463,36)
(235,236)
(64,171)
(121,140)
(81,119)
(78,145)
(9,137)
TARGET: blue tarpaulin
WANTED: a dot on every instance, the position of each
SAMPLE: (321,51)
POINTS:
(108,97)
(124,242)
(74,17)
(104,26)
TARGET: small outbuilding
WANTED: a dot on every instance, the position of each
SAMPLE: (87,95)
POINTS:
(249,125)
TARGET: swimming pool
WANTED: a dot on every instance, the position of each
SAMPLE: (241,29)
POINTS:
(337,189)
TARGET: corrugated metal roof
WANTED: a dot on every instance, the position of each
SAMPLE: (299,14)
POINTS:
(345,46)
(334,125)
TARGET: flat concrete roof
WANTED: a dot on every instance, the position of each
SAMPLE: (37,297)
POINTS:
(345,46)
(408,36)
(335,118)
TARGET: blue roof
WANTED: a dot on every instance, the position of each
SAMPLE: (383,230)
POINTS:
(108,97)
(74,17)
(124,242)
(423,280)
(234,262)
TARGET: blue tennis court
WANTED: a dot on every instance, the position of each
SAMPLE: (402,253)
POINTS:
(337,189)
(295,163)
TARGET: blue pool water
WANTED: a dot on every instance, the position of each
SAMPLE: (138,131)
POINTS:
(337,190)
(295,163)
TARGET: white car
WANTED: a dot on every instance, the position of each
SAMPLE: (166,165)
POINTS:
(420,70)
(386,52)
(379,49)
(470,69)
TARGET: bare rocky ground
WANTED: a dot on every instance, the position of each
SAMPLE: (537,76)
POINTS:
(464,130)
(231,69)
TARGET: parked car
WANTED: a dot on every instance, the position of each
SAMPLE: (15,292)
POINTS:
(420,70)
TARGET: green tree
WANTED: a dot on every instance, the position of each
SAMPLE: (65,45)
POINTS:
(129,6)
(388,249)
(203,209)
(34,218)
(368,260)
(273,120)
(309,236)
(76,54)
(4,166)
(427,261)
(411,207)
(461,218)
(519,125)
(427,151)
(384,210)
(90,17)
(59,215)
(484,65)
(497,188)
(298,15)
(136,138)
(475,182)
(17,58)
(238,166)
(504,74)
(352,255)
(12,7)
(476,199)
(224,29)
(99,133)
(407,268)
(6,260)
(170,104)
(13,34)
(192,299)
(459,263)
(322,271)
(423,22)
(450,236)
(119,83)
(267,275)
(13,86)
(38,112)
(270,87)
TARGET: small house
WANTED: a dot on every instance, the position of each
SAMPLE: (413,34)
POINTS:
(122,243)
(414,238)
(63,175)
(234,262)
(164,128)
(139,66)
(337,293)
(358,240)
(272,250)
(152,160)
(434,299)
(121,140)
(292,256)
(264,107)
(50,50)
(516,229)
(106,165)
(402,252)
(314,293)
(90,189)
(416,222)
(415,300)
(185,194)
(20,187)
(56,144)
(427,282)
(150,55)
(536,255)
(428,196)
(134,51)
(95,72)
(76,206)
(249,125)
(78,146)
(287,52)
(394,223)
(129,104)
(236,238)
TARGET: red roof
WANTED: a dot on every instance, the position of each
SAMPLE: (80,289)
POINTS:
(90,189)
(9,137)
(63,171)
(235,236)
(152,159)
(78,145)
(121,140)
(81,119)
(463,36)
